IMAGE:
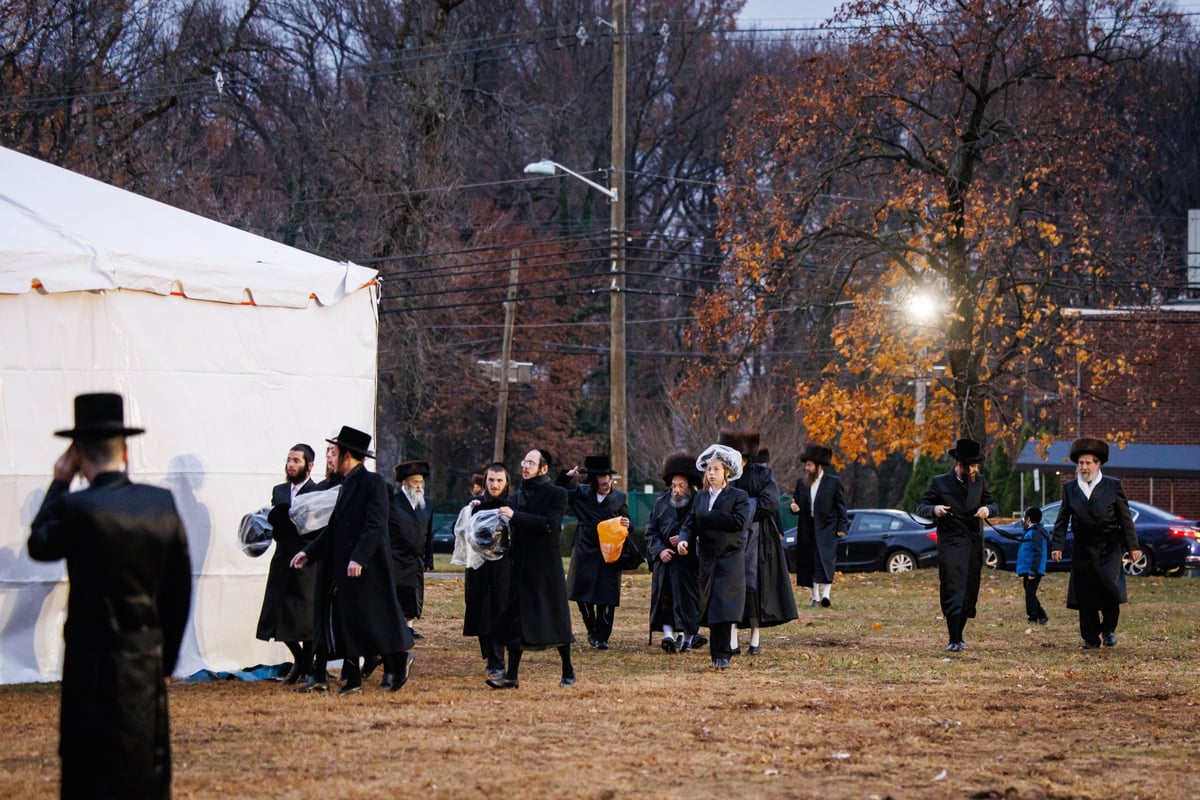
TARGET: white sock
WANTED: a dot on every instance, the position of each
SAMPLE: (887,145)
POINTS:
(668,632)
(687,638)
(733,643)
(754,637)
(816,590)
(825,590)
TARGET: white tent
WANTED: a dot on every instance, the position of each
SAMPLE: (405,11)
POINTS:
(229,348)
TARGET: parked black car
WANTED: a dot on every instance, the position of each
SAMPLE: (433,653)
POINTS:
(1169,543)
(878,539)
(443,532)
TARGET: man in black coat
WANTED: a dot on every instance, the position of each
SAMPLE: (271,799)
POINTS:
(958,501)
(717,528)
(1096,510)
(357,611)
(288,611)
(538,615)
(131,582)
(675,581)
(410,527)
(487,580)
(820,508)
(593,583)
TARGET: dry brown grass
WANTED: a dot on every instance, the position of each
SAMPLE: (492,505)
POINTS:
(852,702)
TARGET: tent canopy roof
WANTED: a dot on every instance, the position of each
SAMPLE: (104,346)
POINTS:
(64,232)
(1135,460)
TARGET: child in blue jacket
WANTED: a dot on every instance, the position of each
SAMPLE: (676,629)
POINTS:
(1031,562)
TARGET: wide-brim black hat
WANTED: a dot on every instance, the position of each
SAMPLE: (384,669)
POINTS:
(353,440)
(968,451)
(99,415)
(817,453)
(682,464)
(598,465)
(1085,445)
(410,468)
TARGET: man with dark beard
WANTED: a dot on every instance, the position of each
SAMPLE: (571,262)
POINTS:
(593,583)
(820,508)
(410,524)
(538,616)
(357,609)
(287,610)
(486,584)
(957,502)
(675,585)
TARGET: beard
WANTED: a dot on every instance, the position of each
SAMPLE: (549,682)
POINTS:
(298,478)
(416,497)
(680,500)
(809,478)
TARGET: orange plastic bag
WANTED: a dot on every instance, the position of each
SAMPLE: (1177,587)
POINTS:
(612,538)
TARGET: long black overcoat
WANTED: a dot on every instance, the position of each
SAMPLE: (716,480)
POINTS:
(486,588)
(817,527)
(959,539)
(675,585)
(358,616)
(1103,528)
(288,609)
(766,563)
(131,583)
(408,529)
(539,615)
(717,533)
(590,579)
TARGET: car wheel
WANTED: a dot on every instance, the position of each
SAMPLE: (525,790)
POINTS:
(901,561)
(992,558)
(1143,566)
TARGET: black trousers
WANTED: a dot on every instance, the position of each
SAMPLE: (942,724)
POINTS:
(1095,621)
(718,640)
(597,619)
(1033,608)
(492,650)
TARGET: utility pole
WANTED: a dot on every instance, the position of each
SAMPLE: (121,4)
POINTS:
(510,306)
(617,397)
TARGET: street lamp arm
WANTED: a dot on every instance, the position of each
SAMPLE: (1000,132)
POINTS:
(548,167)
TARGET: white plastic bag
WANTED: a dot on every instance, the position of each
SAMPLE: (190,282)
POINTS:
(310,512)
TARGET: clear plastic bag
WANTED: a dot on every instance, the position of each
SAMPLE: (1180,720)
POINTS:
(310,512)
(489,535)
(255,533)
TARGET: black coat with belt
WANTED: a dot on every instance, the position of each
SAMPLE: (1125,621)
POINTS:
(131,583)
(408,529)
(716,529)
(358,616)
(959,539)
(817,526)
(539,615)
(675,585)
(1103,528)
(766,563)
(288,610)
(591,579)
(486,587)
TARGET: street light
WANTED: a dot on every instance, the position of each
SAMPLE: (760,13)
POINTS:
(616,397)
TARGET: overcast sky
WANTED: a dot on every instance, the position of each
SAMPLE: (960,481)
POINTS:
(785,13)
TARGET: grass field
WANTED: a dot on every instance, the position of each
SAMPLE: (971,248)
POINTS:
(856,701)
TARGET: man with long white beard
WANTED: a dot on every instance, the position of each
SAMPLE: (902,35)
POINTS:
(675,585)
(958,501)
(410,524)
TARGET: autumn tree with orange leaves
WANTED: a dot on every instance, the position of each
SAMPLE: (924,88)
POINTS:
(961,154)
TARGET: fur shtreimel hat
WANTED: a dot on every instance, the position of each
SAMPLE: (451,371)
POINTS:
(726,455)
(354,441)
(817,453)
(1095,447)
(410,468)
(967,451)
(99,416)
(730,438)
(682,464)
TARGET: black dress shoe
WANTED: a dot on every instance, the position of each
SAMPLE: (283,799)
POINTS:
(388,680)
(312,685)
(753,650)
(503,683)
(292,675)
(669,645)
(962,646)
(699,640)
(722,663)
(1042,620)
(568,679)
(825,602)
(350,688)
(1108,639)
(685,647)
(591,640)
(601,645)
(415,635)
(369,665)
(952,647)
(737,651)
(401,678)
(1090,646)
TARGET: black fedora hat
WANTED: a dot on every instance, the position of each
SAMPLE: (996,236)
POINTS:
(100,415)
(967,451)
(598,465)
(353,440)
